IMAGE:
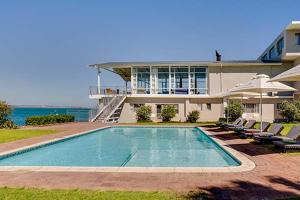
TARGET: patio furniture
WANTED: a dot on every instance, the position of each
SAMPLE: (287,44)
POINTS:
(250,124)
(263,137)
(249,132)
(236,122)
(233,126)
(292,135)
(292,145)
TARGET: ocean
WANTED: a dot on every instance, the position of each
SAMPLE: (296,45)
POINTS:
(19,114)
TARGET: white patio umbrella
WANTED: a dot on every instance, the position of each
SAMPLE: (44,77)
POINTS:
(292,74)
(261,84)
(235,95)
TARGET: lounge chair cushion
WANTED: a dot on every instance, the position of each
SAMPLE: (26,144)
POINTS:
(285,145)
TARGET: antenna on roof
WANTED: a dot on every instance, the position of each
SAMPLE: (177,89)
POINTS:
(218,56)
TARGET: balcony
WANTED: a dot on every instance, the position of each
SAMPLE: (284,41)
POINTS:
(96,93)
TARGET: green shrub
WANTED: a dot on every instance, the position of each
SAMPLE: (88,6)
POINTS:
(48,119)
(144,113)
(290,110)
(5,110)
(168,112)
(235,110)
(193,116)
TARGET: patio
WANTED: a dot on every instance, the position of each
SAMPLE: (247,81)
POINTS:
(275,175)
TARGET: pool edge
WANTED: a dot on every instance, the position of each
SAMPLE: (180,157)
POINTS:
(246,163)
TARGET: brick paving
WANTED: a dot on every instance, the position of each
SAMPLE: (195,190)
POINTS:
(275,175)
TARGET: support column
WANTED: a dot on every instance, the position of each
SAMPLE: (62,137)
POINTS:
(99,80)
(170,83)
(189,86)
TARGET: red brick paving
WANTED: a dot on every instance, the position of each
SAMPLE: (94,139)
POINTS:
(275,175)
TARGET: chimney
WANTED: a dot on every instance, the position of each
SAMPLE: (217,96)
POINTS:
(218,56)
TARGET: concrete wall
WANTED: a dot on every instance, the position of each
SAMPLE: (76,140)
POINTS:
(232,75)
(291,46)
(186,105)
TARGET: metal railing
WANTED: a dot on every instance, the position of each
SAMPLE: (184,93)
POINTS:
(113,90)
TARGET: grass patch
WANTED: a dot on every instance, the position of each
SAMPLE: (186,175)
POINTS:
(37,194)
(9,135)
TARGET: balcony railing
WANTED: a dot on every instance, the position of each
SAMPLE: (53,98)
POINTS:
(107,91)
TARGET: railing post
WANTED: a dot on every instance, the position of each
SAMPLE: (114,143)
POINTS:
(99,80)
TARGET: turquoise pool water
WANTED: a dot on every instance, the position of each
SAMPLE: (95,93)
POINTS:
(130,147)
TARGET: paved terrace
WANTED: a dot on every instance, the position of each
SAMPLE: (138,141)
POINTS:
(275,175)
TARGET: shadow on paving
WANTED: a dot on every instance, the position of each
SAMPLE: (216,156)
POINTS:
(251,149)
(247,190)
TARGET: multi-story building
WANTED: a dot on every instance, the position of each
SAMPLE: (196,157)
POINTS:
(195,85)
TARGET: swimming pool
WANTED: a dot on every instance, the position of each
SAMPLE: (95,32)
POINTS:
(128,147)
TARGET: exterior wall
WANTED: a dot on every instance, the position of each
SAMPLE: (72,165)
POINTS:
(186,105)
(234,75)
(291,46)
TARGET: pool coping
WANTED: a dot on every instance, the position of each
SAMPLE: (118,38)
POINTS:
(245,163)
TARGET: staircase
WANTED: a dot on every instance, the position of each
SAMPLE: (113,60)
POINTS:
(111,111)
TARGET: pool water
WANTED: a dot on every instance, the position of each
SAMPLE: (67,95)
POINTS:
(129,147)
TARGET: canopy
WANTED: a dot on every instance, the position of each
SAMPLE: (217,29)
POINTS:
(292,74)
(261,84)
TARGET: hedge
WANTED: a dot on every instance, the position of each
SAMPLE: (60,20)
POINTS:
(48,119)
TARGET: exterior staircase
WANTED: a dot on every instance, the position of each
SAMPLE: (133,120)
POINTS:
(111,111)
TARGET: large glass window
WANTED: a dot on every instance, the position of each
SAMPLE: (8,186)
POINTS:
(272,53)
(251,108)
(141,78)
(198,80)
(179,80)
(280,46)
(161,80)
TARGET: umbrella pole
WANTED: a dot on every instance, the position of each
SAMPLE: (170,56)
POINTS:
(227,110)
(260,102)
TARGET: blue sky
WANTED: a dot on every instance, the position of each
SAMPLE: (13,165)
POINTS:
(46,46)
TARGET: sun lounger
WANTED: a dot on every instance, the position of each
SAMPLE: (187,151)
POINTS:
(233,126)
(288,145)
(249,132)
(224,125)
(250,124)
(263,137)
(292,135)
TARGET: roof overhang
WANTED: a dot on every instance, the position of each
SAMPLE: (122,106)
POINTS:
(294,25)
(292,74)
(124,68)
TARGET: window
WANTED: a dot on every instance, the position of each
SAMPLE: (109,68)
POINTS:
(200,106)
(198,80)
(280,46)
(297,38)
(161,80)
(265,57)
(141,78)
(134,107)
(208,106)
(159,108)
(272,53)
(179,80)
(251,108)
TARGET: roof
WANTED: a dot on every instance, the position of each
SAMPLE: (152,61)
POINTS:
(292,74)
(124,68)
(182,63)
(294,25)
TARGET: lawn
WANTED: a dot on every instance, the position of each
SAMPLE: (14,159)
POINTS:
(24,194)
(18,134)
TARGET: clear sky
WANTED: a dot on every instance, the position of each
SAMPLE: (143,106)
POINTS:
(46,46)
